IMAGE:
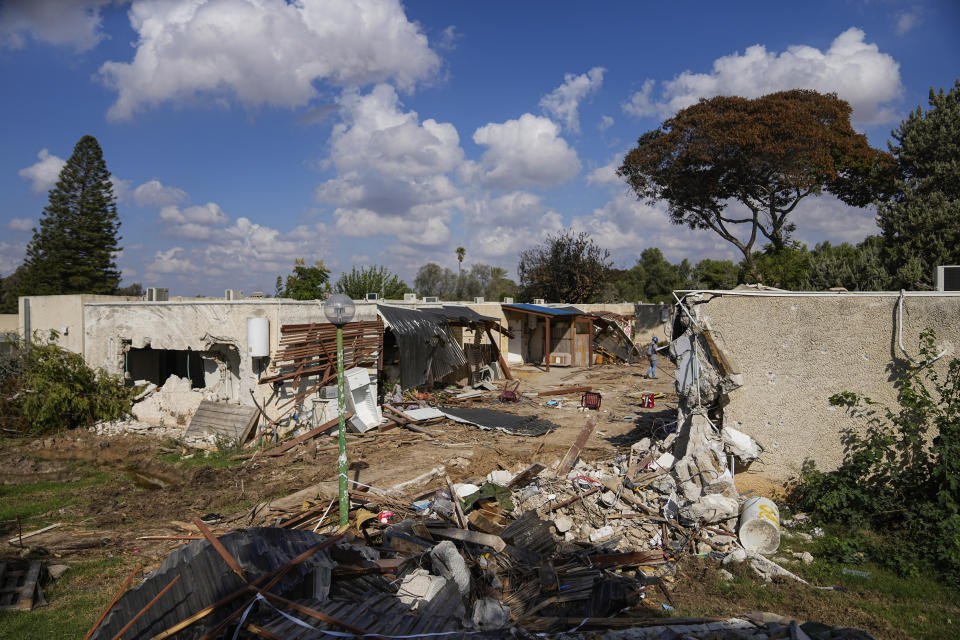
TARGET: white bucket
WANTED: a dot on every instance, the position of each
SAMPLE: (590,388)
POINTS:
(760,525)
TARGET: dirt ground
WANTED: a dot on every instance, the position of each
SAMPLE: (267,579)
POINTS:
(149,495)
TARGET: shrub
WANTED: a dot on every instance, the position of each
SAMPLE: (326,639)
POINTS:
(902,476)
(44,388)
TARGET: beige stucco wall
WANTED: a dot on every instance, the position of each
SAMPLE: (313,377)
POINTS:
(795,351)
(63,314)
(9,322)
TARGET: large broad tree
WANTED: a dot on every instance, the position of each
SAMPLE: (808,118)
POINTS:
(566,267)
(74,250)
(767,154)
(434,280)
(373,279)
(921,223)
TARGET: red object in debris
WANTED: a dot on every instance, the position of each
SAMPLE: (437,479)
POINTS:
(385,517)
(647,401)
(591,400)
(510,393)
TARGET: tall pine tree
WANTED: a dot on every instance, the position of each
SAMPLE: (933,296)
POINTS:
(73,250)
(921,224)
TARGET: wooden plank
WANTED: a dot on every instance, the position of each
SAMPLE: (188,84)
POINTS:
(25,602)
(474,537)
(457,509)
(523,478)
(564,503)
(233,422)
(33,533)
(574,452)
(313,433)
(566,390)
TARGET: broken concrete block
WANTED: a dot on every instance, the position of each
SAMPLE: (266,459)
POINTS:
(419,586)
(709,509)
(734,557)
(488,613)
(500,477)
(725,575)
(563,524)
(608,498)
(57,570)
(602,533)
(696,432)
(448,562)
(806,557)
(740,444)
(664,483)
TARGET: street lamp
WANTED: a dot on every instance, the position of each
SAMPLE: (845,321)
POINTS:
(339,310)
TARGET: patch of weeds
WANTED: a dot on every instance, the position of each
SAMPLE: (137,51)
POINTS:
(76,600)
(30,500)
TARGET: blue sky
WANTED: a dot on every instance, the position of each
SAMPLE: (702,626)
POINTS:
(245,133)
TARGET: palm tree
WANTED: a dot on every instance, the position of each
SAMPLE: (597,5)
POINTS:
(461,252)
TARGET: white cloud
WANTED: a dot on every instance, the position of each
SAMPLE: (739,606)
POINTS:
(43,174)
(58,22)
(827,218)
(362,258)
(605,123)
(641,103)
(907,20)
(252,249)
(853,69)
(121,188)
(391,170)
(264,51)
(168,262)
(449,38)
(20,224)
(607,174)
(564,101)
(520,207)
(11,256)
(154,193)
(527,152)
(195,222)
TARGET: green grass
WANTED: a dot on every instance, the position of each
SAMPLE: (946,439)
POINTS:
(215,459)
(76,600)
(30,501)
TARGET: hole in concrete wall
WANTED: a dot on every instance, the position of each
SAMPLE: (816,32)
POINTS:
(156,365)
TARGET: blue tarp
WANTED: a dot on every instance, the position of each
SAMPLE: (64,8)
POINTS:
(549,311)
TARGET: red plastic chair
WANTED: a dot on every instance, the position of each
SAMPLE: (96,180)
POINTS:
(510,393)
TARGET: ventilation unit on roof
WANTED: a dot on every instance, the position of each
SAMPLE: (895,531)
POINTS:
(373,297)
(508,301)
(478,301)
(409,297)
(158,294)
(431,299)
(538,301)
(947,278)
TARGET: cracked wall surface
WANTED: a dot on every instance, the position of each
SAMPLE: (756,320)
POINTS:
(795,351)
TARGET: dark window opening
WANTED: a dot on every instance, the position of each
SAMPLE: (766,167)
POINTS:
(156,365)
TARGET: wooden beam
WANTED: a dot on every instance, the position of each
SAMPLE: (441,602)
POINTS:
(574,452)
(500,358)
(564,391)
(590,342)
(547,346)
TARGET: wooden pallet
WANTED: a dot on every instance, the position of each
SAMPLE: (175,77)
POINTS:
(20,585)
(230,421)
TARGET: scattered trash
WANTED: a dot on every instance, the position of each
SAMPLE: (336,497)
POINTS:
(859,574)
(760,525)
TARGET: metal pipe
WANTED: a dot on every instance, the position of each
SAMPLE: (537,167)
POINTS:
(342,435)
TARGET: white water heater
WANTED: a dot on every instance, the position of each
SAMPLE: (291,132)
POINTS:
(258,337)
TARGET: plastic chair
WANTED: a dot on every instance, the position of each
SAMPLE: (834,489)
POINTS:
(510,393)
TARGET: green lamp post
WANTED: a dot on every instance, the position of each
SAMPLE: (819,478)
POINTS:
(339,310)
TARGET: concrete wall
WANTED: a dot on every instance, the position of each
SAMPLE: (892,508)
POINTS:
(795,351)
(198,326)
(63,314)
(9,322)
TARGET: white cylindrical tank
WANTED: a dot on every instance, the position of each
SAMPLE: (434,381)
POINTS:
(258,337)
(760,525)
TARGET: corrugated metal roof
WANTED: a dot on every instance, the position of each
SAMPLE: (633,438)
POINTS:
(547,311)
